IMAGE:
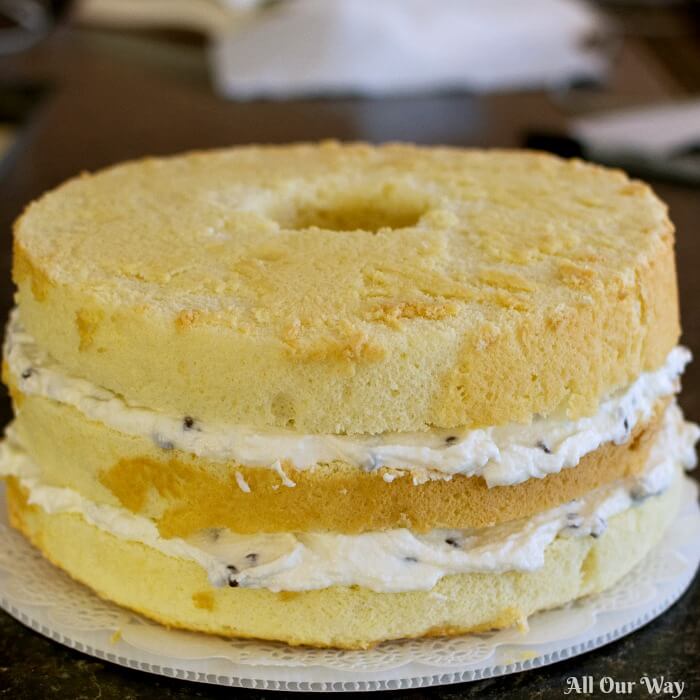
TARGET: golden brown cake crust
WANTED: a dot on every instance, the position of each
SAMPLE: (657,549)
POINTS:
(338,498)
(350,288)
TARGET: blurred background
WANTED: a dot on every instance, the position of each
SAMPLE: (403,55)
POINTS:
(103,80)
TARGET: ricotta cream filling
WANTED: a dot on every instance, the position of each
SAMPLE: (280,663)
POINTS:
(387,561)
(503,455)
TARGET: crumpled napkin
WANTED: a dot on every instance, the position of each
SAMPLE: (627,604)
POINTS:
(380,47)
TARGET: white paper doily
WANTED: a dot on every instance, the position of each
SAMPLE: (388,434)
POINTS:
(47,600)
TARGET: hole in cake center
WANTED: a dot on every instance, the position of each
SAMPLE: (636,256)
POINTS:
(355,214)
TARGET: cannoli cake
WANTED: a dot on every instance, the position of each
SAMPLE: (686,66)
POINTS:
(338,394)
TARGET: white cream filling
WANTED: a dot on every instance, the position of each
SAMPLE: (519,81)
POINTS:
(388,561)
(503,455)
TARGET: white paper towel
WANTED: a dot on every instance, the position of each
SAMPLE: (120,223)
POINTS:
(378,47)
(651,130)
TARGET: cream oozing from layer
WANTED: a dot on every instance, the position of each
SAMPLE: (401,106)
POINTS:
(503,455)
(388,561)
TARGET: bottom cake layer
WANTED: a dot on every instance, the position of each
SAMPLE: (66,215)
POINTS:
(178,593)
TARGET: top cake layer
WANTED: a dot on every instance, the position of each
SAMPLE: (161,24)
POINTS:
(356,289)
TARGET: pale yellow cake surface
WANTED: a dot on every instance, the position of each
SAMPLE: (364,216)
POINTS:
(184,493)
(333,289)
(178,593)
(358,289)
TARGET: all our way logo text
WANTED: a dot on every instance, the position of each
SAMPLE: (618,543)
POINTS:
(654,686)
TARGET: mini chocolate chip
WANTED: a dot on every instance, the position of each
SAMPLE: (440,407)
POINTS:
(232,581)
(27,373)
(595,534)
(412,560)
(626,424)
(253,556)
(188,422)
(452,542)
(542,445)
(449,440)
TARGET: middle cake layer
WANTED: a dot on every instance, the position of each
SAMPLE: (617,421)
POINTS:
(184,492)
(388,560)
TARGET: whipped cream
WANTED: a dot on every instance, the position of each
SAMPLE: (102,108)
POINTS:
(387,561)
(503,455)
